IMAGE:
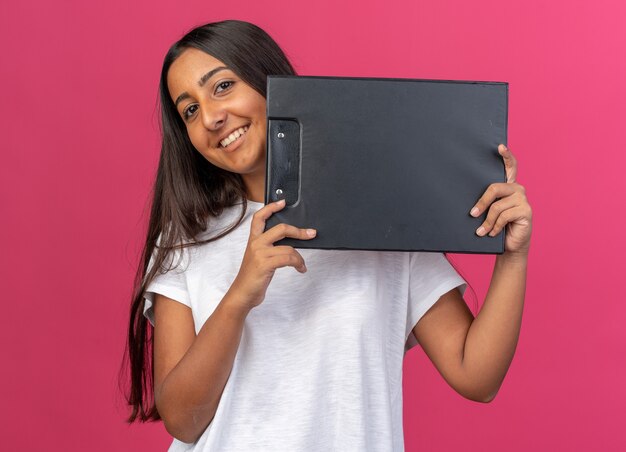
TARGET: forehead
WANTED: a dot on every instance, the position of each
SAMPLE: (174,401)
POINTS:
(186,70)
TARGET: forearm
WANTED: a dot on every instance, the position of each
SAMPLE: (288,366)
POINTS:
(492,338)
(190,394)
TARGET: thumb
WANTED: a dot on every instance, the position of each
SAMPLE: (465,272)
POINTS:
(510,163)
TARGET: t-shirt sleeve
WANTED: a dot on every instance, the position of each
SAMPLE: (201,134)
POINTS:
(430,276)
(170,282)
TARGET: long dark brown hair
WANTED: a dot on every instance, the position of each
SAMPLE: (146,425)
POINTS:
(188,190)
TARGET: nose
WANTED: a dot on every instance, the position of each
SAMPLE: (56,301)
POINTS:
(213,117)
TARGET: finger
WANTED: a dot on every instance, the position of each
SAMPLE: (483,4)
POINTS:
(510,163)
(288,260)
(280,250)
(289,251)
(283,230)
(494,191)
(495,212)
(260,217)
(506,217)
(273,251)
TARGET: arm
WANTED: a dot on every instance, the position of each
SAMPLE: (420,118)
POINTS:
(191,372)
(474,355)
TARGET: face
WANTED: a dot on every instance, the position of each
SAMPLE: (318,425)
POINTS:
(225,117)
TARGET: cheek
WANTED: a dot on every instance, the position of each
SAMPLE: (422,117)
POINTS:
(198,139)
(199,143)
(262,127)
(261,120)
(263,136)
(261,111)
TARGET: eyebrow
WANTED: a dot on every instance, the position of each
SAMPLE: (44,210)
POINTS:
(201,82)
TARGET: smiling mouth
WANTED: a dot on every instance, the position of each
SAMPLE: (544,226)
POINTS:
(233,137)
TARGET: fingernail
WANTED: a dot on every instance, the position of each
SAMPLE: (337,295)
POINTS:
(282,201)
(474,211)
(480,231)
(311,232)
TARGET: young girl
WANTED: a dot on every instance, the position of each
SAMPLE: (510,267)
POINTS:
(234,355)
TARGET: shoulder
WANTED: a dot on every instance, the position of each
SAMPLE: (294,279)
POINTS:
(217,227)
(223,240)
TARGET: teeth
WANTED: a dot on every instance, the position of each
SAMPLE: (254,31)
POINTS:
(233,136)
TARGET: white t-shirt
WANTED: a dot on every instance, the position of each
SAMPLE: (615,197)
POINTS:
(319,365)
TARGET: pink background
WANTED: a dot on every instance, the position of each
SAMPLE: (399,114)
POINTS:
(79,153)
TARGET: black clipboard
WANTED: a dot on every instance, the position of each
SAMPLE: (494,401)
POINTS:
(384,164)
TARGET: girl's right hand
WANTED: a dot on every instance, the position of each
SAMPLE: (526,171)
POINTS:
(262,258)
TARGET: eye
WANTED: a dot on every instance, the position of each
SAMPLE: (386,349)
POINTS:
(223,85)
(188,110)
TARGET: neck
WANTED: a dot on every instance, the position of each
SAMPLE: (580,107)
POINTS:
(255,186)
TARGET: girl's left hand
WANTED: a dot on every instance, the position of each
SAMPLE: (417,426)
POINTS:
(511,209)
